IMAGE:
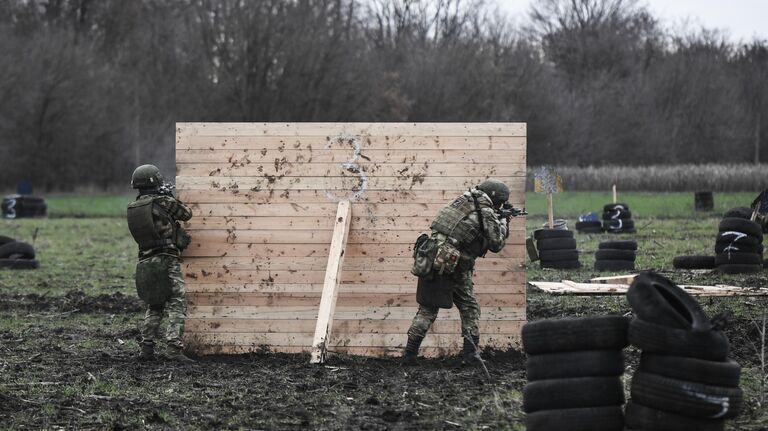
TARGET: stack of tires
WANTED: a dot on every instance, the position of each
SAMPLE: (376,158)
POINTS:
(556,248)
(616,256)
(16,255)
(574,370)
(23,206)
(685,380)
(617,218)
(739,246)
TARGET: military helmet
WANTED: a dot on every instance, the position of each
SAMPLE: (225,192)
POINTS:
(147,177)
(496,190)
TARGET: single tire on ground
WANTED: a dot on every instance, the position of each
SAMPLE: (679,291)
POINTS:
(614,265)
(592,229)
(581,225)
(556,244)
(608,418)
(552,233)
(17,250)
(718,373)
(615,254)
(19,263)
(578,392)
(656,299)
(556,255)
(560,264)
(741,225)
(575,333)
(618,245)
(711,345)
(685,398)
(694,262)
(739,269)
(640,417)
(583,363)
(738,258)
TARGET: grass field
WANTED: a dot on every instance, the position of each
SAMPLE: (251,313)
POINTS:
(68,335)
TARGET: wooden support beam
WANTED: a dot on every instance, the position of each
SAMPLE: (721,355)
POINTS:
(331,284)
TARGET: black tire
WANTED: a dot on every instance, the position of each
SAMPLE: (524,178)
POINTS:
(6,239)
(618,245)
(585,419)
(561,264)
(588,224)
(615,254)
(737,238)
(710,345)
(656,299)
(552,233)
(739,212)
(577,392)
(589,230)
(19,264)
(558,255)
(741,225)
(694,262)
(716,373)
(575,333)
(613,207)
(739,269)
(17,250)
(556,244)
(583,363)
(614,265)
(617,214)
(737,258)
(640,417)
(724,247)
(620,225)
(685,398)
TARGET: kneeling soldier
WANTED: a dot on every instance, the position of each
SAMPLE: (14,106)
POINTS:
(153,219)
(475,222)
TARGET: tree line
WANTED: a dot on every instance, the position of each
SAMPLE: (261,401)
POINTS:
(91,88)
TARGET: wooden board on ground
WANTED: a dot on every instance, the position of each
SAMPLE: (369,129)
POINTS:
(265,196)
(567,287)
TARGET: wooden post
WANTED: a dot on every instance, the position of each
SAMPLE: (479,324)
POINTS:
(615,198)
(331,283)
(551,211)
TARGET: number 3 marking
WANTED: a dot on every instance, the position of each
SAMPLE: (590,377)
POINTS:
(349,166)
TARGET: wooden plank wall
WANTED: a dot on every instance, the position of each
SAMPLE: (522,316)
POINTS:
(264,197)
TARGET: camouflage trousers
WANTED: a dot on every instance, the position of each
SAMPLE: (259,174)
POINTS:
(463,298)
(175,307)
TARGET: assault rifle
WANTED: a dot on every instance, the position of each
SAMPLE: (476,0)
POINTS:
(507,211)
(166,189)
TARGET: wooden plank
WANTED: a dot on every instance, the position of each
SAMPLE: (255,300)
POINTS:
(198,249)
(307,326)
(319,263)
(323,329)
(400,170)
(217,196)
(334,129)
(615,279)
(372,276)
(337,184)
(344,299)
(341,313)
(367,288)
(326,209)
(368,157)
(233,142)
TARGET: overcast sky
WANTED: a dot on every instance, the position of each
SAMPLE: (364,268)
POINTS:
(742,19)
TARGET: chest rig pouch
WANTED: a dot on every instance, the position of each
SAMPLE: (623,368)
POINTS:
(424,251)
(141,223)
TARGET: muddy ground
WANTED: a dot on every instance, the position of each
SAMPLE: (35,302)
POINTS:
(69,362)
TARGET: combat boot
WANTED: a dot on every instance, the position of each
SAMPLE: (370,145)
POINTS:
(469,352)
(147,352)
(176,354)
(411,350)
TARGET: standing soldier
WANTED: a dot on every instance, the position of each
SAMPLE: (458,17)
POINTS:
(475,222)
(153,219)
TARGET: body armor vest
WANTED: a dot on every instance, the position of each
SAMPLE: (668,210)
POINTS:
(141,223)
(452,221)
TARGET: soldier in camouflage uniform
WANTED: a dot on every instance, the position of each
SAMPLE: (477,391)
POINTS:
(472,224)
(153,219)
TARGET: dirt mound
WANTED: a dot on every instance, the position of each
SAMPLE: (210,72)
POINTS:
(72,301)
